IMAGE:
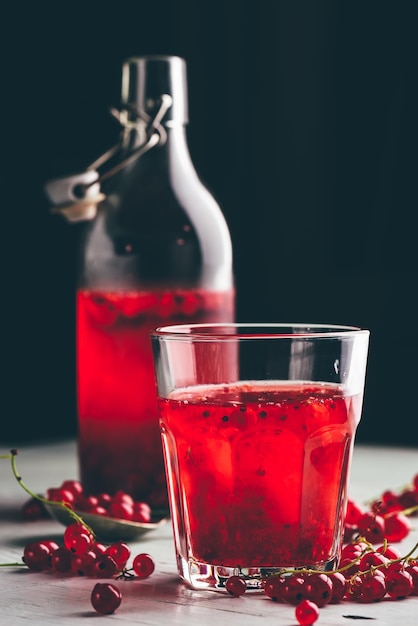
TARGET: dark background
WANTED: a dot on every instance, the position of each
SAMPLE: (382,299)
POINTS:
(302,123)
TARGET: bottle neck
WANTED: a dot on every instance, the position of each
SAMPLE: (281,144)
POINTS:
(136,135)
(161,191)
(171,153)
(155,85)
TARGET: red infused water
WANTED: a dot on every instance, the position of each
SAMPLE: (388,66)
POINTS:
(119,436)
(258,472)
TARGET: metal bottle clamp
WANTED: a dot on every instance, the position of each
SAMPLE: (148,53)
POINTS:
(77,197)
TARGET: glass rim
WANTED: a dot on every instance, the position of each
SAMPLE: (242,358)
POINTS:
(255,330)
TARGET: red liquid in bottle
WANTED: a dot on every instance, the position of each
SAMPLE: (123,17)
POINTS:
(263,472)
(119,435)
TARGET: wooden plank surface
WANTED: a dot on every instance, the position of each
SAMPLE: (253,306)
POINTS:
(27,597)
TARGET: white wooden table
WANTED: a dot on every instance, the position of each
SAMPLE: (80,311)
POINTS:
(28,597)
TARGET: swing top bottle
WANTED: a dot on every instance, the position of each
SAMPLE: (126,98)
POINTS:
(157,252)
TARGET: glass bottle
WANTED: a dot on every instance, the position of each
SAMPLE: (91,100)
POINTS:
(158,251)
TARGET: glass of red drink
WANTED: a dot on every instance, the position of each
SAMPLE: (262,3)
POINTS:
(258,424)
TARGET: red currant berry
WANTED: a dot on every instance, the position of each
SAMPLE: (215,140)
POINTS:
(273,587)
(105,598)
(77,538)
(236,586)
(413,571)
(306,613)
(372,527)
(351,553)
(354,587)
(83,564)
(37,556)
(394,566)
(104,500)
(61,560)
(80,543)
(319,589)
(74,486)
(371,559)
(399,584)
(143,565)
(87,503)
(120,552)
(389,551)
(391,501)
(295,590)
(339,587)
(350,567)
(397,527)
(121,510)
(61,495)
(122,496)
(51,545)
(371,589)
(408,498)
(378,572)
(98,548)
(354,550)
(98,510)
(52,494)
(104,566)
(75,529)
(141,513)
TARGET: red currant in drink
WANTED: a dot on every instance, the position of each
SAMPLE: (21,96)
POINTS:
(119,437)
(258,472)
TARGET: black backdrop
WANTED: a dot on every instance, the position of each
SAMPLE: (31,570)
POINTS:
(302,123)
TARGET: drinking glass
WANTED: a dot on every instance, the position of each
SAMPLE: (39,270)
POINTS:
(258,424)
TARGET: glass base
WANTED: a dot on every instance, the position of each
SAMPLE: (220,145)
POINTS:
(213,577)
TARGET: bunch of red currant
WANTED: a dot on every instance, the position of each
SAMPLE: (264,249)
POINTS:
(367,574)
(82,555)
(387,518)
(121,505)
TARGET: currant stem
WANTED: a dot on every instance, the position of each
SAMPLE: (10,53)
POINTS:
(125,574)
(373,568)
(13,564)
(409,511)
(62,504)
